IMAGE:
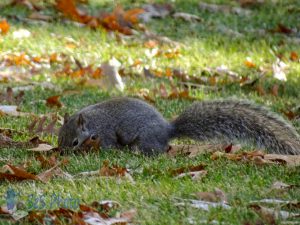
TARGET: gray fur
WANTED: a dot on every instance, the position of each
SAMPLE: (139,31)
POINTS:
(133,123)
(118,123)
(238,120)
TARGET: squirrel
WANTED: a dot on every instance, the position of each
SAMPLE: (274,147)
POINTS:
(123,121)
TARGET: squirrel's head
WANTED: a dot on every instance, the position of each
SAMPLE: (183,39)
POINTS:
(74,132)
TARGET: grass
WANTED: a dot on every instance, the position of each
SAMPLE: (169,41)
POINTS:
(155,192)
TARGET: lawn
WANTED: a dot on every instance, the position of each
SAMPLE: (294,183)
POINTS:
(218,40)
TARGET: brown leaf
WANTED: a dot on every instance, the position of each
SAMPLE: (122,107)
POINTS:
(108,171)
(195,175)
(12,173)
(27,3)
(181,170)
(54,101)
(39,16)
(106,205)
(156,10)
(274,90)
(288,160)
(48,174)
(42,148)
(4,27)
(39,125)
(12,110)
(260,90)
(294,56)
(187,17)
(280,186)
(282,29)
(215,196)
(249,64)
(290,114)
(271,215)
(151,44)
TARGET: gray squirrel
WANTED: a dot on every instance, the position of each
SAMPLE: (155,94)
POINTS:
(132,123)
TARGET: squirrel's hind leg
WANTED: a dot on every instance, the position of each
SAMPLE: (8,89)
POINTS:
(151,145)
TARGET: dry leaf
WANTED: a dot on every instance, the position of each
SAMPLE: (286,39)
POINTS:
(38,125)
(4,27)
(39,16)
(271,215)
(279,68)
(282,29)
(294,56)
(216,196)
(181,170)
(48,174)
(280,186)
(187,17)
(155,10)
(195,175)
(11,110)
(224,9)
(111,77)
(11,173)
(204,205)
(42,148)
(54,101)
(288,160)
(248,63)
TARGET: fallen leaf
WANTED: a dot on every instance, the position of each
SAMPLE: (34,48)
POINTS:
(294,204)
(187,17)
(282,29)
(4,27)
(294,56)
(288,160)
(215,196)
(105,205)
(11,110)
(39,16)
(279,70)
(48,174)
(271,215)
(38,125)
(195,175)
(204,205)
(224,9)
(108,171)
(181,170)
(11,173)
(111,77)
(54,101)
(10,98)
(280,186)
(248,63)
(41,148)
(274,90)
(155,10)
(251,3)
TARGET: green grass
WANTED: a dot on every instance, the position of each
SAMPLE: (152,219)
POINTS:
(155,191)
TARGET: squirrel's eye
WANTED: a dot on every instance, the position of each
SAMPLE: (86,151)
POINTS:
(75,142)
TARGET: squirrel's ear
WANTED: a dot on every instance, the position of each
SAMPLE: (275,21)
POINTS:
(80,121)
(66,118)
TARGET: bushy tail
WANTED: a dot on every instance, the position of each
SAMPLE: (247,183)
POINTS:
(237,120)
